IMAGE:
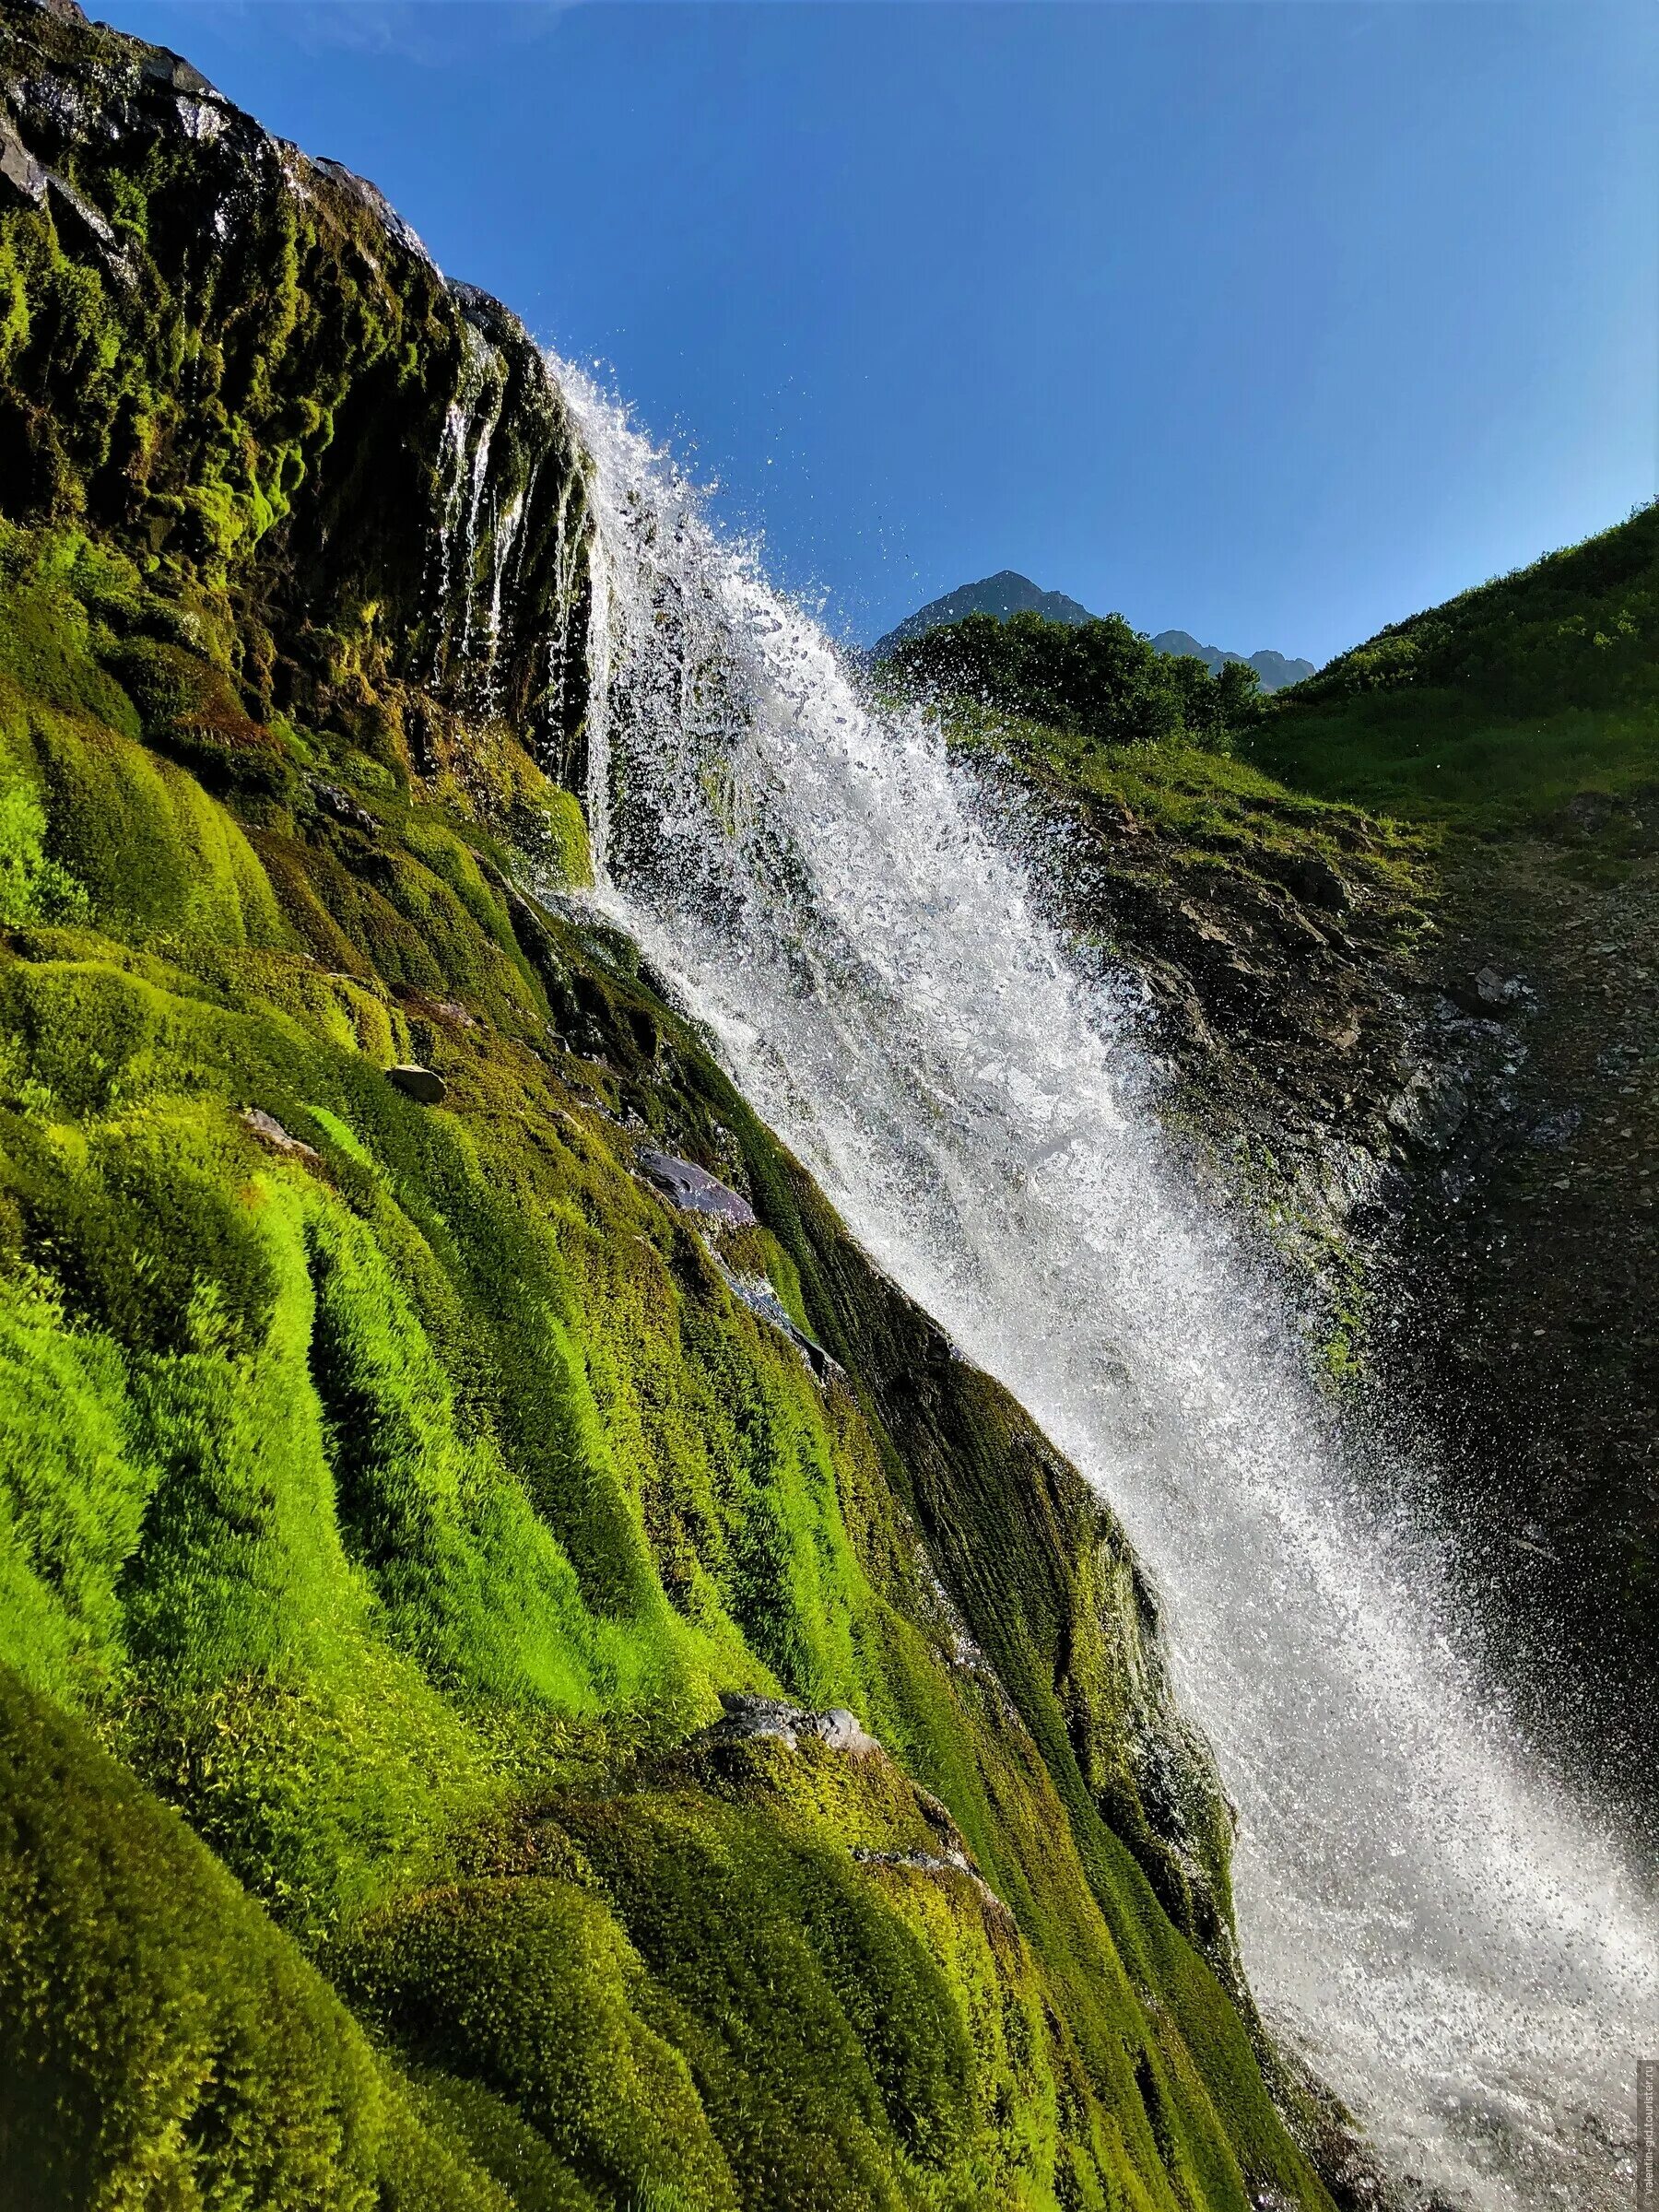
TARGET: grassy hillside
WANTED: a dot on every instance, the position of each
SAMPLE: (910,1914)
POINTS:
(437,1586)
(1498,708)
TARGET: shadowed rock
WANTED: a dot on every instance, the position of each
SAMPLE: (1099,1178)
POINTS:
(417,1082)
(692,1189)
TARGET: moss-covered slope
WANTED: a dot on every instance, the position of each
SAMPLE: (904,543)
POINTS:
(438,1571)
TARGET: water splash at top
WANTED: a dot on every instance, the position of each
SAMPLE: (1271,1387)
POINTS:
(1467,1961)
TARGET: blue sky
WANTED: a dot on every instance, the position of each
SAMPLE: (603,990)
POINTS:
(1272,323)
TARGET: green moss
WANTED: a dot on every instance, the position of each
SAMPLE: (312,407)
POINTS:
(572,860)
(159,2038)
(1204,809)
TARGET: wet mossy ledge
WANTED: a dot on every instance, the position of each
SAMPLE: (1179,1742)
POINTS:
(522,1687)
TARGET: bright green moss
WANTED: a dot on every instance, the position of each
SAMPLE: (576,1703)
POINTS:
(571,859)
(161,2041)
(530,1989)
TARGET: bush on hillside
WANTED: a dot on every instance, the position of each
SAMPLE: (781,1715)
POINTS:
(1100,679)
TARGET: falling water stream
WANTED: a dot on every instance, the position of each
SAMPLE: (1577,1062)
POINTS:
(1465,1958)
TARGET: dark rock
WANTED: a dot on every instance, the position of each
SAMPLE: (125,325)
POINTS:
(66,11)
(270,1131)
(417,1082)
(371,197)
(692,1189)
(164,71)
(1555,1129)
(1317,881)
(343,807)
(1489,995)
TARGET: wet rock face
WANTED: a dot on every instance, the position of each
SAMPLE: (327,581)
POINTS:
(1284,1013)
(1526,1332)
(375,465)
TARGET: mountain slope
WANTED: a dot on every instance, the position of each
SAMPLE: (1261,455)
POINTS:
(1008,592)
(460,1480)
(1515,728)
(1502,706)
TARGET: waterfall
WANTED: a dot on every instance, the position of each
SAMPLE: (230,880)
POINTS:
(1463,1956)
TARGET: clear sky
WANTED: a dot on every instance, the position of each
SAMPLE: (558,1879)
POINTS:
(1271,323)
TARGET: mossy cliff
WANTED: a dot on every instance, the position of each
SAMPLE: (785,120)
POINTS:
(438,1568)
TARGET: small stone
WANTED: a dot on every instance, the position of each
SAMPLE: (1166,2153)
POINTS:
(418,1082)
(692,1189)
(270,1131)
(1489,995)
(343,807)
(839,1729)
(750,1718)
(1316,881)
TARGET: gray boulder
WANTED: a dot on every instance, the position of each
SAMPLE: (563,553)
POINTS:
(418,1082)
(692,1189)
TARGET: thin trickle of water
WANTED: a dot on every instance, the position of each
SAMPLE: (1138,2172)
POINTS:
(596,794)
(451,479)
(502,539)
(1468,1961)
(463,474)
(497,390)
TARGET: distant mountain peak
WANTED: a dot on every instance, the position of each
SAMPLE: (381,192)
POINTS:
(1275,670)
(1008,593)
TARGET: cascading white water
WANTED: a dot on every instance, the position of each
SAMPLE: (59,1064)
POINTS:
(463,474)
(1462,1956)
